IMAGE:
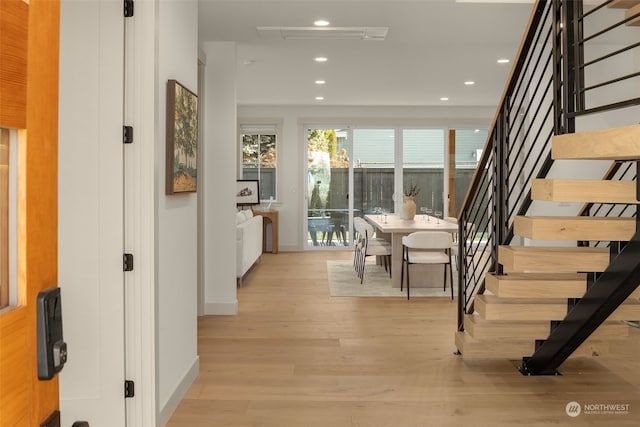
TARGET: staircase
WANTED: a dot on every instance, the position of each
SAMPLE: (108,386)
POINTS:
(540,285)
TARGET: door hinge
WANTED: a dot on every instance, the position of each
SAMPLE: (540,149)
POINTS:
(127,262)
(128,8)
(129,389)
(127,134)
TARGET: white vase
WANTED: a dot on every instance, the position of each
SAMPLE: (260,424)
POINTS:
(408,210)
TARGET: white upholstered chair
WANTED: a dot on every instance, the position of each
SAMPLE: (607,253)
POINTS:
(426,247)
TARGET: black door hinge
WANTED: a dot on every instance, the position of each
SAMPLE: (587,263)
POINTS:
(129,389)
(128,8)
(127,134)
(127,262)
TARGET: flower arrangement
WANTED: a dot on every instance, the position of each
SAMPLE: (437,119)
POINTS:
(412,190)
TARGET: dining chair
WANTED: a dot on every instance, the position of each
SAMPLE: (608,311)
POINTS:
(367,245)
(426,247)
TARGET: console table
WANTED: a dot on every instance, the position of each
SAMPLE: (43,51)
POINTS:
(269,216)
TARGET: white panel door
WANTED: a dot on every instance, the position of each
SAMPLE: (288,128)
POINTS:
(90,243)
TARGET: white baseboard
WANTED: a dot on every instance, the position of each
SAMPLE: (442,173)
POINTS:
(221,308)
(179,393)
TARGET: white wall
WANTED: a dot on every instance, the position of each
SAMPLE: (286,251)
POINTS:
(218,179)
(176,218)
(291,145)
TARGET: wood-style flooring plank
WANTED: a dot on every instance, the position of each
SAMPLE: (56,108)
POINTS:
(296,357)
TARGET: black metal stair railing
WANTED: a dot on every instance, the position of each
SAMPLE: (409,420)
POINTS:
(517,150)
(551,84)
(619,171)
(612,287)
(600,81)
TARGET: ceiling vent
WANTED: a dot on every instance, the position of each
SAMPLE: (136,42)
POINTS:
(323,33)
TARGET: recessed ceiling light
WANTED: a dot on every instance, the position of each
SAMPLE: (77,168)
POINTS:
(469,82)
(477,130)
(320,82)
(503,61)
(321,59)
(319,98)
(321,23)
(444,98)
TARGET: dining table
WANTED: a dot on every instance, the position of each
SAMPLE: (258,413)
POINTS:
(393,228)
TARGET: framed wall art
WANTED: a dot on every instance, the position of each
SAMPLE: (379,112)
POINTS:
(182,139)
(247,192)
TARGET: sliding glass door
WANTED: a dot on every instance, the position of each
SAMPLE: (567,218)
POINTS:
(327,192)
(423,166)
(356,171)
(373,170)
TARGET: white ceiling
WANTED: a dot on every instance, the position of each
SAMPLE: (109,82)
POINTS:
(431,49)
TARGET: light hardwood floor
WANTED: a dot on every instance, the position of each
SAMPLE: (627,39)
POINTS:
(296,357)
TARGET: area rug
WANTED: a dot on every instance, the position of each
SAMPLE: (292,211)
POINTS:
(344,282)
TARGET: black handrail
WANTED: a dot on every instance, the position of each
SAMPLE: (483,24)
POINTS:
(517,148)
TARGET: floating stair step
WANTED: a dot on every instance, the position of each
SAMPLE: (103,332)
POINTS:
(623,4)
(633,11)
(629,347)
(490,307)
(493,348)
(621,143)
(553,259)
(537,285)
(629,310)
(575,228)
(583,191)
(479,328)
(516,348)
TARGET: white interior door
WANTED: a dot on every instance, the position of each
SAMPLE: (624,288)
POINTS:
(91,226)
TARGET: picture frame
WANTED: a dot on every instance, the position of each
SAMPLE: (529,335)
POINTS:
(247,192)
(182,139)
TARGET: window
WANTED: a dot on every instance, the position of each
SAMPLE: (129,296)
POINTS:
(468,149)
(259,157)
(423,165)
(8,161)
(374,165)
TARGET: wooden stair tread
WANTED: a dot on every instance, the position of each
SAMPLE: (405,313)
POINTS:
(575,228)
(553,258)
(623,4)
(540,285)
(583,191)
(622,143)
(516,348)
(633,11)
(491,307)
(480,328)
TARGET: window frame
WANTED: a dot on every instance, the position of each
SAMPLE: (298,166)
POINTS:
(260,127)
(8,221)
